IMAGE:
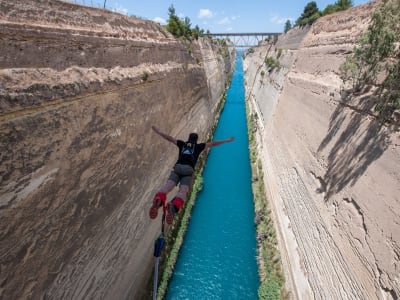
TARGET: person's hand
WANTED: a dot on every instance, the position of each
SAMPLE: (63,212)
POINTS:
(231,139)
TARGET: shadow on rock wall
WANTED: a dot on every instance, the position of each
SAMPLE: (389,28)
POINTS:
(358,140)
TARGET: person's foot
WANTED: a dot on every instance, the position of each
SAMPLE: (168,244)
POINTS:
(158,201)
(171,211)
(172,208)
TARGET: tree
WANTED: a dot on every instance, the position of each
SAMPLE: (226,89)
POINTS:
(338,6)
(343,4)
(182,27)
(187,32)
(310,9)
(288,26)
(197,32)
(174,24)
(329,9)
(309,15)
(376,61)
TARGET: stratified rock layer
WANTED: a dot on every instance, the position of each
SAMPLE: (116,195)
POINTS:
(332,174)
(80,89)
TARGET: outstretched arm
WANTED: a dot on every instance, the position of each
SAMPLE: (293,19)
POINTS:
(216,143)
(164,135)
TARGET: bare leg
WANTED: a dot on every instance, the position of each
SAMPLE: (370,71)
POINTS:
(177,203)
(168,186)
(182,193)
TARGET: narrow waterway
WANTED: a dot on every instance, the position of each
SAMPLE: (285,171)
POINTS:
(218,256)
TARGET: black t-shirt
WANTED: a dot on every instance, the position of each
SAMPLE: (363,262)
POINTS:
(189,153)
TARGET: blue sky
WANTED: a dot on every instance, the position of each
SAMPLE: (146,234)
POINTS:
(218,16)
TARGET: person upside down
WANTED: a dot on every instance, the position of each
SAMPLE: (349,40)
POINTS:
(181,173)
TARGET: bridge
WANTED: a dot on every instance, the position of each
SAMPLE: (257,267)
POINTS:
(244,40)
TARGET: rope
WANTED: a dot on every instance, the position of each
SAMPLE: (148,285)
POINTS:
(158,246)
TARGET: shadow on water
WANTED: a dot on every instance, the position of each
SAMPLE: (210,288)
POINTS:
(358,140)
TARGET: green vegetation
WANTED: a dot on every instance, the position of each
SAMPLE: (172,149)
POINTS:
(375,63)
(272,63)
(311,12)
(338,6)
(309,15)
(288,26)
(182,27)
(269,263)
(145,76)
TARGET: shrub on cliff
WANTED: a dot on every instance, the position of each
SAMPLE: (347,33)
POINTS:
(375,63)
(272,63)
(145,76)
(338,6)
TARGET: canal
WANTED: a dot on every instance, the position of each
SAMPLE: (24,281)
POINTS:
(218,257)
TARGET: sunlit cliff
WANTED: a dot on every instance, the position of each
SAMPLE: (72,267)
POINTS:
(331,170)
(80,89)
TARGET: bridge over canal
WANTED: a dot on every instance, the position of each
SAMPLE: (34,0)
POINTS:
(245,40)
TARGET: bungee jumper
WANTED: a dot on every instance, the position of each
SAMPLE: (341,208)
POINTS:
(181,174)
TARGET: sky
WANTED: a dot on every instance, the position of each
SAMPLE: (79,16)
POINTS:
(217,16)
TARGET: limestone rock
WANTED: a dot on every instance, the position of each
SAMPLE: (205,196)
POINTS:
(80,89)
(332,175)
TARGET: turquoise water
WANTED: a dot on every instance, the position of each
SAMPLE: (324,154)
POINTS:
(218,256)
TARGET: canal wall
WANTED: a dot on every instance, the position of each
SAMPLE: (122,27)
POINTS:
(80,89)
(331,173)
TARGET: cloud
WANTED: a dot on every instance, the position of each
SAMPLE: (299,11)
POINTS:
(160,20)
(205,13)
(121,10)
(227,20)
(279,20)
(224,21)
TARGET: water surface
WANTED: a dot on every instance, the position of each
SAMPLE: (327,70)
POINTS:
(218,256)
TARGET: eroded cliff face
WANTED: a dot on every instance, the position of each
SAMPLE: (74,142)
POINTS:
(332,174)
(79,91)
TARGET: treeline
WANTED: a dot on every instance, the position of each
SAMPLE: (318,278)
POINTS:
(182,27)
(311,13)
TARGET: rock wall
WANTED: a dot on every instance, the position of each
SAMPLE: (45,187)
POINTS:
(79,91)
(332,174)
